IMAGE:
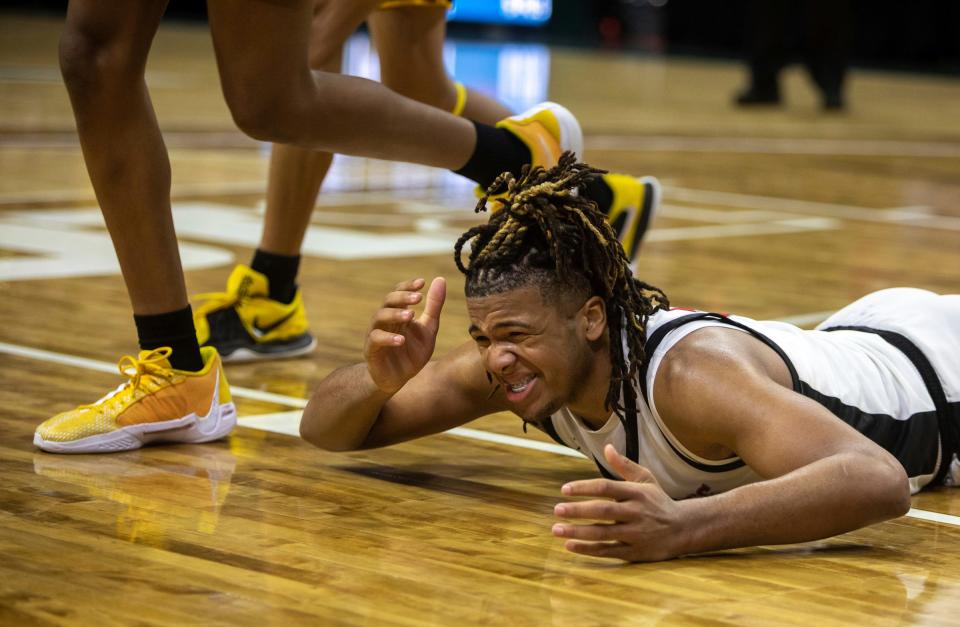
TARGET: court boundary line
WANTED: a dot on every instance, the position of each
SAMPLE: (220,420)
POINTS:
(284,419)
(847,147)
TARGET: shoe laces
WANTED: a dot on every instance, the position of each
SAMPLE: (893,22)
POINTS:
(152,364)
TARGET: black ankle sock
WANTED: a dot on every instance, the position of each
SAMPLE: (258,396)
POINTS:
(281,272)
(497,151)
(599,192)
(173,329)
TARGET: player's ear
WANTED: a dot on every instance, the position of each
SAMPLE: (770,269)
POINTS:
(594,317)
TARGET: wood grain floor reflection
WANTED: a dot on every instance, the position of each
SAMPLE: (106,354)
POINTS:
(263,529)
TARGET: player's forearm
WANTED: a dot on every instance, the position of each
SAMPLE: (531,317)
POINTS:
(829,497)
(343,409)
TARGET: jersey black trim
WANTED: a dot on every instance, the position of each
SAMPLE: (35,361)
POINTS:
(650,346)
(603,470)
(551,431)
(945,418)
(887,431)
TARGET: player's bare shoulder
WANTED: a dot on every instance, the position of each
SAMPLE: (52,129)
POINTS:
(706,385)
(717,353)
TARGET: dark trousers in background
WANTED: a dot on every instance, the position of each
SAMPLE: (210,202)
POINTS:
(819,30)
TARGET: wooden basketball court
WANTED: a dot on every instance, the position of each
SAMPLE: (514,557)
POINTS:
(782,214)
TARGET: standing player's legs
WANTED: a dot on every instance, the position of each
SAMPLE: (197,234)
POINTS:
(174,390)
(261,52)
(272,94)
(103,53)
(261,313)
(296,173)
(357,116)
(240,321)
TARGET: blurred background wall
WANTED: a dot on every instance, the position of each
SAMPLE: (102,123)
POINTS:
(919,35)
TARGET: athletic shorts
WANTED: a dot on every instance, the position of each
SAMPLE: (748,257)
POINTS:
(929,320)
(931,323)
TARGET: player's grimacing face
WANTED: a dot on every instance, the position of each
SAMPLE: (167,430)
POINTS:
(532,349)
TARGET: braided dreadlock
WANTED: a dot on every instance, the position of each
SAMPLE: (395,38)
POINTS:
(546,229)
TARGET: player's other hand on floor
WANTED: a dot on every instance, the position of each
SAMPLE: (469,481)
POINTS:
(400,343)
(633,520)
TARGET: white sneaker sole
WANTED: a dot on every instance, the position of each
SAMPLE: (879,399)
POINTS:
(243,355)
(189,429)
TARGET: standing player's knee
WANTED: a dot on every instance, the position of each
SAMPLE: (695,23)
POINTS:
(266,115)
(255,116)
(89,62)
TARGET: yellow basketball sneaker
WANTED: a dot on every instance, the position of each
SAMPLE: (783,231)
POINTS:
(547,130)
(244,323)
(635,202)
(156,404)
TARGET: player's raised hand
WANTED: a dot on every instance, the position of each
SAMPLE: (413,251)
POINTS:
(399,343)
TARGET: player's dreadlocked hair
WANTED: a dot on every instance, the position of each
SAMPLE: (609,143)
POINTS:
(548,235)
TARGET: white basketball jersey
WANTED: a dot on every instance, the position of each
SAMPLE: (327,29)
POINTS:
(864,376)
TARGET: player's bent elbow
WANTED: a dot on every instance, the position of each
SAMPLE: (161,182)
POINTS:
(900,494)
(893,488)
(324,439)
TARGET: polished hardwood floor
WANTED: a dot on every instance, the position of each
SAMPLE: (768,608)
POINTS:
(785,213)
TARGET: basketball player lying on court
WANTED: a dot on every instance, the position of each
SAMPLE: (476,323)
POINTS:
(786,435)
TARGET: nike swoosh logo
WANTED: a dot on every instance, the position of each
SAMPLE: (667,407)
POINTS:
(259,331)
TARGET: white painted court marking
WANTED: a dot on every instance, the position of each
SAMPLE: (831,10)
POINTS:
(288,423)
(911,216)
(510,440)
(63,243)
(923,514)
(52,252)
(776,146)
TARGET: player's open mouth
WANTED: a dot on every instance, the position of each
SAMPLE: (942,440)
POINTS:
(516,388)
(519,390)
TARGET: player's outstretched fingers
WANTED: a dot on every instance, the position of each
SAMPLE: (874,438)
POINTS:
(592,510)
(606,488)
(391,317)
(381,338)
(412,285)
(616,550)
(402,298)
(404,294)
(593,533)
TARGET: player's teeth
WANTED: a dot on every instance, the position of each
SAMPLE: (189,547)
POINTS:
(519,387)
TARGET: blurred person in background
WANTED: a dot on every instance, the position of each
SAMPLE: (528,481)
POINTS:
(820,30)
